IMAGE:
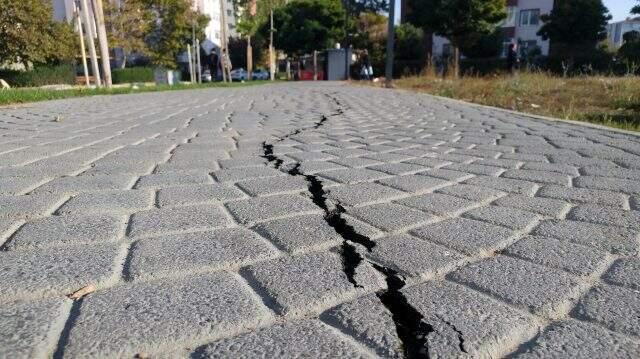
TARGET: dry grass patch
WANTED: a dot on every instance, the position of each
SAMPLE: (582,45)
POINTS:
(610,101)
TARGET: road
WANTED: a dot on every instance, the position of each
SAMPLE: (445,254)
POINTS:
(313,219)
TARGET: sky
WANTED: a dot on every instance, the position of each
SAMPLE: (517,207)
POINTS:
(620,8)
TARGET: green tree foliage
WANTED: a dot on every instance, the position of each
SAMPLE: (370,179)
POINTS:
(371,34)
(486,46)
(303,26)
(29,35)
(636,9)
(128,23)
(630,50)
(171,28)
(357,7)
(409,43)
(575,26)
(463,22)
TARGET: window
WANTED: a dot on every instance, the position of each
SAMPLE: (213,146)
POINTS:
(229,13)
(530,17)
(510,20)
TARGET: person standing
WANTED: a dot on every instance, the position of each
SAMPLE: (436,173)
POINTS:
(512,58)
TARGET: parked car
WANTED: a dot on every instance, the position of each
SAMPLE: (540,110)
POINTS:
(239,74)
(260,74)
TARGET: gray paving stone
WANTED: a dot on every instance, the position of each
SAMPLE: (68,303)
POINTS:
(551,167)
(485,326)
(14,186)
(130,319)
(477,169)
(57,271)
(583,195)
(612,172)
(408,255)
(275,185)
(472,193)
(612,307)
(355,175)
(199,194)
(539,176)
(108,202)
(30,206)
(390,217)
(118,168)
(264,208)
(508,217)
(545,206)
(369,322)
(455,176)
(415,183)
(363,193)
(580,340)
(544,291)
(504,184)
(399,168)
(31,329)
(68,230)
(624,272)
(607,216)
(238,174)
(173,179)
(439,204)
(196,252)
(307,338)
(312,167)
(608,184)
(86,183)
(300,234)
(465,235)
(575,259)
(429,162)
(294,288)
(172,220)
(616,240)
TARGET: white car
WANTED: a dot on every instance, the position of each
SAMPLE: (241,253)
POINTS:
(239,74)
(260,74)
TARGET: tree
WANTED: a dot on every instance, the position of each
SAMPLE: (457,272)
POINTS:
(171,28)
(487,45)
(409,45)
(29,35)
(575,27)
(128,23)
(463,22)
(357,7)
(303,26)
(630,50)
(636,9)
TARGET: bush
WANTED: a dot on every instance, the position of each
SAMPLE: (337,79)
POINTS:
(40,76)
(133,74)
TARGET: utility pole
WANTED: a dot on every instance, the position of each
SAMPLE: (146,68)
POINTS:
(102,39)
(347,45)
(249,59)
(192,77)
(92,46)
(199,68)
(226,72)
(390,45)
(76,12)
(272,60)
(192,59)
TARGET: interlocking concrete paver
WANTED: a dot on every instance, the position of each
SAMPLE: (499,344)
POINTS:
(611,306)
(31,329)
(57,271)
(290,340)
(132,319)
(68,230)
(306,219)
(542,290)
(580,339)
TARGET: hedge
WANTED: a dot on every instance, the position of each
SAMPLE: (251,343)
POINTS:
(133,74)
(40,76)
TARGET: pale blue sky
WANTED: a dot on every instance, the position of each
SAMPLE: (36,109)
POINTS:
(620,8)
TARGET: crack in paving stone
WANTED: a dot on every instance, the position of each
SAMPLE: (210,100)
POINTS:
(458,331)
(410,327)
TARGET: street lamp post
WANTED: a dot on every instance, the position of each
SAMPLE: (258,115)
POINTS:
(390,44)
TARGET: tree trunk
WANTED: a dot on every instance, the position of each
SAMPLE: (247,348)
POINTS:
(124,59)
(456,62)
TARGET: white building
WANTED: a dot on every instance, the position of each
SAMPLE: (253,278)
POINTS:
(616,30)
(520,27)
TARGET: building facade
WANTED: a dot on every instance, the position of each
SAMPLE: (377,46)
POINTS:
(616,30)
(520,27)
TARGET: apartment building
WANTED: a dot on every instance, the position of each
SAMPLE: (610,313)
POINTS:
(616,30)
(520,27)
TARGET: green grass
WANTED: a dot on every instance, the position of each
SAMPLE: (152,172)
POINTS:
(25,95)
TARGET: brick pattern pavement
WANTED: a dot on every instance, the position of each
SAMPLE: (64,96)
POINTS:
(317,220)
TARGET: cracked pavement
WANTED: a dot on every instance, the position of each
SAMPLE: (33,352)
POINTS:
(314,219)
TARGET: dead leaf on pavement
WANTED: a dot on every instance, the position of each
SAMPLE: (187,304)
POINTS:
(82,292)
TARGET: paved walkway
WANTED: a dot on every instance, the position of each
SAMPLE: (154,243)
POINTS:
(316,220)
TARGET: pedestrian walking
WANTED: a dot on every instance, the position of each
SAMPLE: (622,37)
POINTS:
(367,70)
